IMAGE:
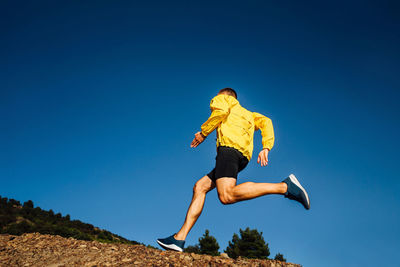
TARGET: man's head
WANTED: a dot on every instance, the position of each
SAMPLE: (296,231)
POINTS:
(228,91)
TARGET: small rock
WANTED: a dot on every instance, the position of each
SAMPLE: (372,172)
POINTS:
(224,255)
(91,263)
(207,257)
(126,260)
(195,256)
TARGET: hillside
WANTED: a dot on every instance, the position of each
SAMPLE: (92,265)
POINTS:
(18,219)
(34,249)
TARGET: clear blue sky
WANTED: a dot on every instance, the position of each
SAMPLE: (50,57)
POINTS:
(99,101)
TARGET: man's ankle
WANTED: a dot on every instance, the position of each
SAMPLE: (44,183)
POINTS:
(284,187)
(177,237)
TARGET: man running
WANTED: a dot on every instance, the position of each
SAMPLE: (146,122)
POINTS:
(235,129)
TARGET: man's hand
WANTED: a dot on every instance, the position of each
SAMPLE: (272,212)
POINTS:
(263,157)
(198,139)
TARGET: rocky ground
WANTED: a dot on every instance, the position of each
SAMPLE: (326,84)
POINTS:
(35,249)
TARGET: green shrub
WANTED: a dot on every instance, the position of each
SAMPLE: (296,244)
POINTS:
(208,244)
(279,257)
(250,244)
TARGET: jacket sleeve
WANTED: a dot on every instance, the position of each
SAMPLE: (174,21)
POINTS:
(220,109)
(267,130)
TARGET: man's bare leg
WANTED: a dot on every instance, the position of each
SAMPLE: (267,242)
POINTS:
(200,189)
(229,192)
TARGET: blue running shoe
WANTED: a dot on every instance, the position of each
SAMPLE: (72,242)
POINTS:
(170,243)
(296,191)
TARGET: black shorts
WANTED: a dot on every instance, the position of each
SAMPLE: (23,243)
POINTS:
(229,162)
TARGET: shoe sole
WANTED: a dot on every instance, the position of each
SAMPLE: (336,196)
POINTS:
(170,247)
(296,182)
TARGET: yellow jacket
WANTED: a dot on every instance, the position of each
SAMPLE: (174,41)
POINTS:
(236,125)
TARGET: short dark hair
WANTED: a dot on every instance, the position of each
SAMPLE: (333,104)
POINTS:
(230,91)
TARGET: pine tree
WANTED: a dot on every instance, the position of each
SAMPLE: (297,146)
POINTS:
(208,244)
(28,204)
(279,257)
(250,244)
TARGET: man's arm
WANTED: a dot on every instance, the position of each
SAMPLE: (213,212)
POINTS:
(219,110)
(267,132)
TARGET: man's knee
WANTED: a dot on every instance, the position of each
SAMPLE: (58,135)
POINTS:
(226,198)
(202,186)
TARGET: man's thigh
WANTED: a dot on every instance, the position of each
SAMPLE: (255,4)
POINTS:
(225,184)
